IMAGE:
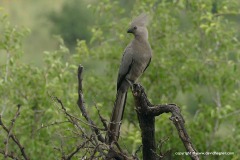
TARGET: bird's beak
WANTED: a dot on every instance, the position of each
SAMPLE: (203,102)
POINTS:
(130,30)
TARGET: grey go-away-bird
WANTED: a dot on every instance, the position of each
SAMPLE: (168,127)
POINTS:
(136,58)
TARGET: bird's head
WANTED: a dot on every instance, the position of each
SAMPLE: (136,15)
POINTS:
(138,26)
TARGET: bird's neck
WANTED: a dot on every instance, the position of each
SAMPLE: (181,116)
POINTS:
(141,39)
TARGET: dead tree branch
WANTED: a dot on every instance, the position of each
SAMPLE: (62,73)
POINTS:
(146,115)
(82,108)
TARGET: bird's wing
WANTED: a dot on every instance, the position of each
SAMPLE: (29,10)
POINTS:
(125,66)
(147,64)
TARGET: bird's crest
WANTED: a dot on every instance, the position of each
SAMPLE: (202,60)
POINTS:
(141,20)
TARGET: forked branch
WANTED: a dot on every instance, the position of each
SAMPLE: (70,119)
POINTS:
(146,115)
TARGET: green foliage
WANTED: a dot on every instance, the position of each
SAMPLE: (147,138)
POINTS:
(195,64)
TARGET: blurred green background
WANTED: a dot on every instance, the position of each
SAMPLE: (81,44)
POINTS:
(195,64)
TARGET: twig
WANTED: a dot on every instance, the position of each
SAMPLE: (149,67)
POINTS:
(10,155)
(138,149)
(12,136)
(76,150)
(73,117)
(70,117)
(10,130)
(94,152)
(103,120)
(162,141)
(52,124)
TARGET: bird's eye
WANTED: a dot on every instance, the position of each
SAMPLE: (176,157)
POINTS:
(135,27)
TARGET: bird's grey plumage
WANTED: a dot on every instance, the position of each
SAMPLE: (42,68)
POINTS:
(136,58)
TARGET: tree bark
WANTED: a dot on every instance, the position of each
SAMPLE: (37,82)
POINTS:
(146,113)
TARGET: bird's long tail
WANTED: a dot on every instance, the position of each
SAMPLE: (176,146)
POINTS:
(117,115)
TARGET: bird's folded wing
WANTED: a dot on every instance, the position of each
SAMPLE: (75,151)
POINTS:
(125,66)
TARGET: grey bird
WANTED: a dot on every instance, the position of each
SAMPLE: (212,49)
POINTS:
(136,58)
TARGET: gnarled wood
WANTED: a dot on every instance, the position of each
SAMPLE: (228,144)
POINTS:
(146,115)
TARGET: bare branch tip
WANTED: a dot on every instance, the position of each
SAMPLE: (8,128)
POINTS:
(80,68)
